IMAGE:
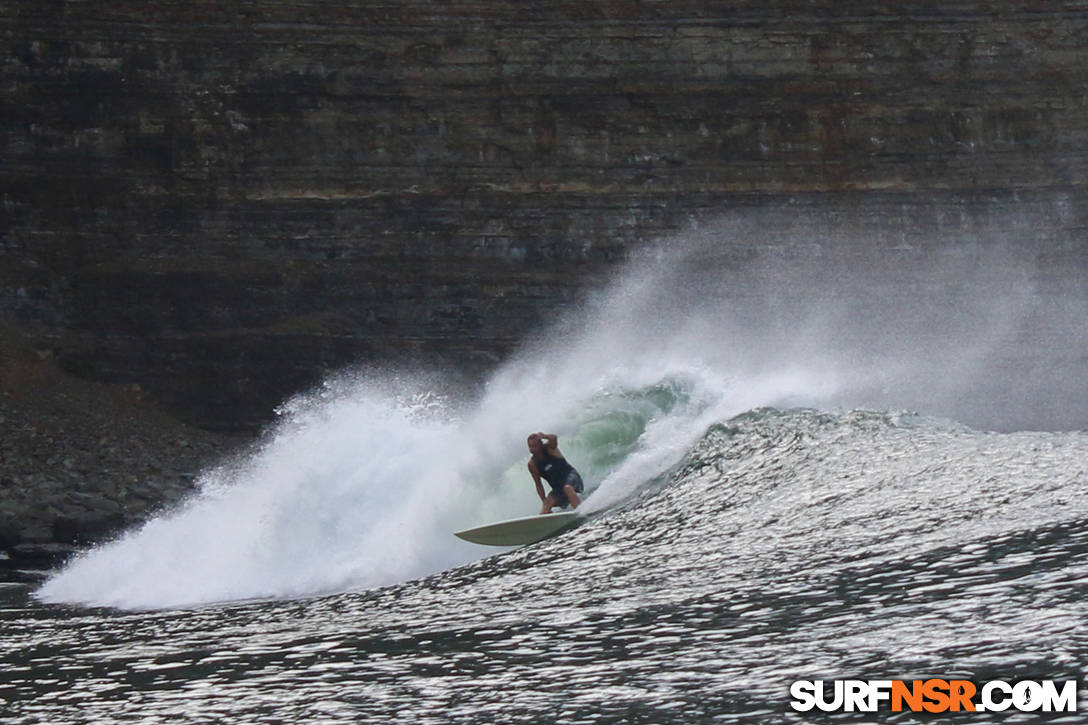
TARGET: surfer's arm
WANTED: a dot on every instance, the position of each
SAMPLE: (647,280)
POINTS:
(551,443)
(536,479)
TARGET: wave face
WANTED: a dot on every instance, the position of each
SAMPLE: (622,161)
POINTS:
(784,544)
(362,481)
(364,488)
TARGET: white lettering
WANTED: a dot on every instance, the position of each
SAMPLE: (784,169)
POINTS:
(836,701)
(879,691)
(804,695)
(989,702)
(993,696)
(1065,701)
(1027,696)
(855,695)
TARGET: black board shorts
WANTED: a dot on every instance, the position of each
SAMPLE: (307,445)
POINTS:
(574,481)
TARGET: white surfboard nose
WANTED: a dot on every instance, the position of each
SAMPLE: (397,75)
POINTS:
(522,531)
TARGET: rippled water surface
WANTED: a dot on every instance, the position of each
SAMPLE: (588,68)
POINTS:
(786,545)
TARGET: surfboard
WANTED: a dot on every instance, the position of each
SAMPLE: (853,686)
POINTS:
(518,532)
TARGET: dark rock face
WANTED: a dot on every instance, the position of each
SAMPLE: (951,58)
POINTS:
(222,201)
(81,461)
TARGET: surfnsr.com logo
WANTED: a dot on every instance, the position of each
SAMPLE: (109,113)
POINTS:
(934,695)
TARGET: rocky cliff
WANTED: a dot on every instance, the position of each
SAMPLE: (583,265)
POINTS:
(221,201)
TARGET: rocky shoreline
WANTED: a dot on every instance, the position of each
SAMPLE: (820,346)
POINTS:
(81,462)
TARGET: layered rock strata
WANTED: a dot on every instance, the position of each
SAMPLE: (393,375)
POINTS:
(221,202)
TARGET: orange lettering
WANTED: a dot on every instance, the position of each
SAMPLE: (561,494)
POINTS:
(936,691)
(961,692)
(912,695)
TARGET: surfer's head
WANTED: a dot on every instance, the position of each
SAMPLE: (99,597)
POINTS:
(535,444)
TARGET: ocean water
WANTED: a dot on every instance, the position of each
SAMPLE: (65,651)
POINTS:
(787,544)
(808,464)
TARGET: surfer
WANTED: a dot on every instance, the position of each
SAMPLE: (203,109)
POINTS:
(549,463)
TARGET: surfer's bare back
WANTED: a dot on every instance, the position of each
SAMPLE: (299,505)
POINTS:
(549,463)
